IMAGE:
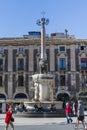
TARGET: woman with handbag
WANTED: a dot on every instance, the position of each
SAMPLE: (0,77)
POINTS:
(8,119)
(80,115)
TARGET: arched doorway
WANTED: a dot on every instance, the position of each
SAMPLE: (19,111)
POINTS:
(2,96)
(20,96)
(63,97)
(83,96)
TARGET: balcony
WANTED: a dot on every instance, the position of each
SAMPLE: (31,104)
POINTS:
(20,68)
(83,67)
(62,68)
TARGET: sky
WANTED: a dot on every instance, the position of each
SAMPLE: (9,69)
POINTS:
(18,17)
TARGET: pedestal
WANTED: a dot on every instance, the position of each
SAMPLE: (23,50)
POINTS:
(43,84)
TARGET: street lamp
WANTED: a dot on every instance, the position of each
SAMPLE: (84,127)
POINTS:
(42,22)
(66,33)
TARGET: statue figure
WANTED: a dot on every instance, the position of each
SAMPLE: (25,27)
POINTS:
(43,66)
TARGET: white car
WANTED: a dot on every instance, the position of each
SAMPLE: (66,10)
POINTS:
(29,106)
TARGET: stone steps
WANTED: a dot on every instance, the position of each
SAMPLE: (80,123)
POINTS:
(58,113)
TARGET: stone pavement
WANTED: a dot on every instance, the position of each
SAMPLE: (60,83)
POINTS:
(35,121)
(41,123)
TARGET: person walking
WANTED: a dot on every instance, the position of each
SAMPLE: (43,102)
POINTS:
(80,115)
(75,106)
(9,119)
(68,111)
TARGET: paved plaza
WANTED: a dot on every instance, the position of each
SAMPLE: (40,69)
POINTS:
(41,123)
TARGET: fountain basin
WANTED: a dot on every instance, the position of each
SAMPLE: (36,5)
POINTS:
(46,113)
(43,84)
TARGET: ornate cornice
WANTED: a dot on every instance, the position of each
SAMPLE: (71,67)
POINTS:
(33,41)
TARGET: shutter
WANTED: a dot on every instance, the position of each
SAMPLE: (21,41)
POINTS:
(6,60)
(56,81)
(14,83)
(77,82)
(76,59)
(68,60)
(27,60)
(6,84)
(26,83)
(35,60)
(56,59)
(14,60)
(69,82)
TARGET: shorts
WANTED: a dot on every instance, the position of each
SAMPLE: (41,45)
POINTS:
(81,118)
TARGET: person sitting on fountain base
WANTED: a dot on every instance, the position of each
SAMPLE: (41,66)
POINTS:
(40,107)
(52,107)
(36,107)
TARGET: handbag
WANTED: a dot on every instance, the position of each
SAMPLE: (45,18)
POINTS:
(12,119)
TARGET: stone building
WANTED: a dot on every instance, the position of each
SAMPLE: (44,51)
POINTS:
(19,60)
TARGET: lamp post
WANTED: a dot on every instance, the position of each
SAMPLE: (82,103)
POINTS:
(66,33)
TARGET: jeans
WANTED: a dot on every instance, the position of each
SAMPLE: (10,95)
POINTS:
(68,117)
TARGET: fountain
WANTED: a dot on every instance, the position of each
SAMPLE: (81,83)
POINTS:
(44,82)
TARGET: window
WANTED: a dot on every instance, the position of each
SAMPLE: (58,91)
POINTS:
(20,64)
(62,48)
(39,49)
(25,37)
(83,63)
(62,63)
(20,80)
(82,48)
(21,50)
(62,80)
(1,64)
(0,80)
(1,50)
(34,33)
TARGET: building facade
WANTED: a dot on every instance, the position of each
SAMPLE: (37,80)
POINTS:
(19,60)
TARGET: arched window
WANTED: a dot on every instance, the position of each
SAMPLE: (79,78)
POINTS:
(20,95)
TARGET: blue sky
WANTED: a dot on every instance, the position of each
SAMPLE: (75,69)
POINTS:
(18,17)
